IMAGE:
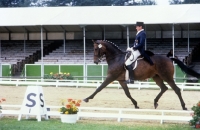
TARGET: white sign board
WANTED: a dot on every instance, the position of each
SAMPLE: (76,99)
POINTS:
(33,103)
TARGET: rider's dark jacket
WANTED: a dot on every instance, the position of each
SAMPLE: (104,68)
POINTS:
(139,45)
(140,41)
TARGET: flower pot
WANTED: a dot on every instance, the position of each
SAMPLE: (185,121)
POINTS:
(68,118)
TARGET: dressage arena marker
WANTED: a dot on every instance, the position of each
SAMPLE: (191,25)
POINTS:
(33,103)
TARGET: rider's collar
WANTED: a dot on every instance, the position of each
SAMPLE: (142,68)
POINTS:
(139,31)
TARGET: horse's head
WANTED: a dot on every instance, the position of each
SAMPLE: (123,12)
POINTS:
(99,51)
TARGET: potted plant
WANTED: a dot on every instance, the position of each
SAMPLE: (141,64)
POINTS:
(69,110)
(196,116)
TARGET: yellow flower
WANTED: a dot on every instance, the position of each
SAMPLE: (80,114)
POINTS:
(66,112)
(51,73)
(74,109)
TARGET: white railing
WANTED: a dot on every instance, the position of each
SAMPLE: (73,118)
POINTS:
(91,83)
(114,113)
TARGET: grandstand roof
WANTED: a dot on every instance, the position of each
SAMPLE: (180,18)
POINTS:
(72,18)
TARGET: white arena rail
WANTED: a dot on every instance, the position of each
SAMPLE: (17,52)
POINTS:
(119,114)
(91,83)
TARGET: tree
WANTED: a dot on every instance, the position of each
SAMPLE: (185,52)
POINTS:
(58,3)
(191,1)
(92,3)
(15,3)
(148,2)
(42,3)
(141,2)
(184,1)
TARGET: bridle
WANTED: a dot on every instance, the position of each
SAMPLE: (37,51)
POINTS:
(100,57)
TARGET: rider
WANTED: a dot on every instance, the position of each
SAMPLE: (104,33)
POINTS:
(138,45)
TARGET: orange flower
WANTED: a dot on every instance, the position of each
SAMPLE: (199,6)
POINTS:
(73,101)
(79,101)
(77,104)
(69,100)
(198,104)
(68,106)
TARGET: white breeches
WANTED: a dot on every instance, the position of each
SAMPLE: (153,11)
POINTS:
(134,55)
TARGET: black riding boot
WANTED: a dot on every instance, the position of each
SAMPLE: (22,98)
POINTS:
(131,77)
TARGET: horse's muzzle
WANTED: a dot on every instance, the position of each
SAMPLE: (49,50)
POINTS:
(96,62)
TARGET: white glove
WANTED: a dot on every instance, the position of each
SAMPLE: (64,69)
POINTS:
(129,49)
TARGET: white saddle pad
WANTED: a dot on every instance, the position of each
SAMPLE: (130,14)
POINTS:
(135,65)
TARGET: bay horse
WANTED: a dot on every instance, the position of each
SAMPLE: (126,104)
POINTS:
(161,71)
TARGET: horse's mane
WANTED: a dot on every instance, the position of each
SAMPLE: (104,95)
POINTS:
(113,44)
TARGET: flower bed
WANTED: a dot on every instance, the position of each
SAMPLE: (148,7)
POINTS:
(196,116)
(59,76)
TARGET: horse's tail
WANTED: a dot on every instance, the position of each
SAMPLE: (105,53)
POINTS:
(186,69)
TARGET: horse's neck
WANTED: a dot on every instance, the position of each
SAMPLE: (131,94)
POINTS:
(115,58)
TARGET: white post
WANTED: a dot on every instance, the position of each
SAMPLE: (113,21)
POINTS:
(188,37)
(127,29)
(173,47)
(42,66)
(0,61)
(64,41)
(84,67)
(24,43)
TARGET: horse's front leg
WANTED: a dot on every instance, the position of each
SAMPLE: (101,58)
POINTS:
(126,90)
(103,85)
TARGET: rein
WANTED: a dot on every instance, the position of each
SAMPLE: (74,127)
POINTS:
(99,55)
(113,57)
(109,58)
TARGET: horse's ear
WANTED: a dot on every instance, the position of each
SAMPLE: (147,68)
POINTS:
(94,41)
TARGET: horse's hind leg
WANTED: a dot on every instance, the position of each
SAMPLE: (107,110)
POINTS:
(126,90)
(163,88)
(178,92)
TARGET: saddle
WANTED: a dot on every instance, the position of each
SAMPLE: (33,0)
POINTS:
(132,57)
(133,62)
(129,54)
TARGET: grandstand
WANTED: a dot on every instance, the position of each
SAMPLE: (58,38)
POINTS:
(74,51)
(18,54)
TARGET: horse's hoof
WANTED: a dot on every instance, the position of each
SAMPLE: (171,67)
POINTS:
(155,105)
(86,100)
(136,107)
(185,108)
